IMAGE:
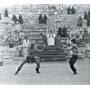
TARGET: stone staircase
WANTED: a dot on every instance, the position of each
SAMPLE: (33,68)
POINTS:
(51,53)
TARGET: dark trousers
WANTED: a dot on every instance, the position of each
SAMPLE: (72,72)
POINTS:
(72,62)
(29,60)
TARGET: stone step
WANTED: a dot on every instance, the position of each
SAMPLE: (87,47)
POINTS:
(53,59)
(52,56)
(53,52)
(53,48)
(48,52)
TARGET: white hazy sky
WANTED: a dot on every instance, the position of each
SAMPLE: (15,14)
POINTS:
(12,2)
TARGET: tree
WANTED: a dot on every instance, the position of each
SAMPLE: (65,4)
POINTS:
(45,19)
(68,10)
(40,19)
(73,11)
(14,18)
(6,13)
(80,21)
(85,15)
(20,19)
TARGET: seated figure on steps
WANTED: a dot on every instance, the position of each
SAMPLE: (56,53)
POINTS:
(58,41)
